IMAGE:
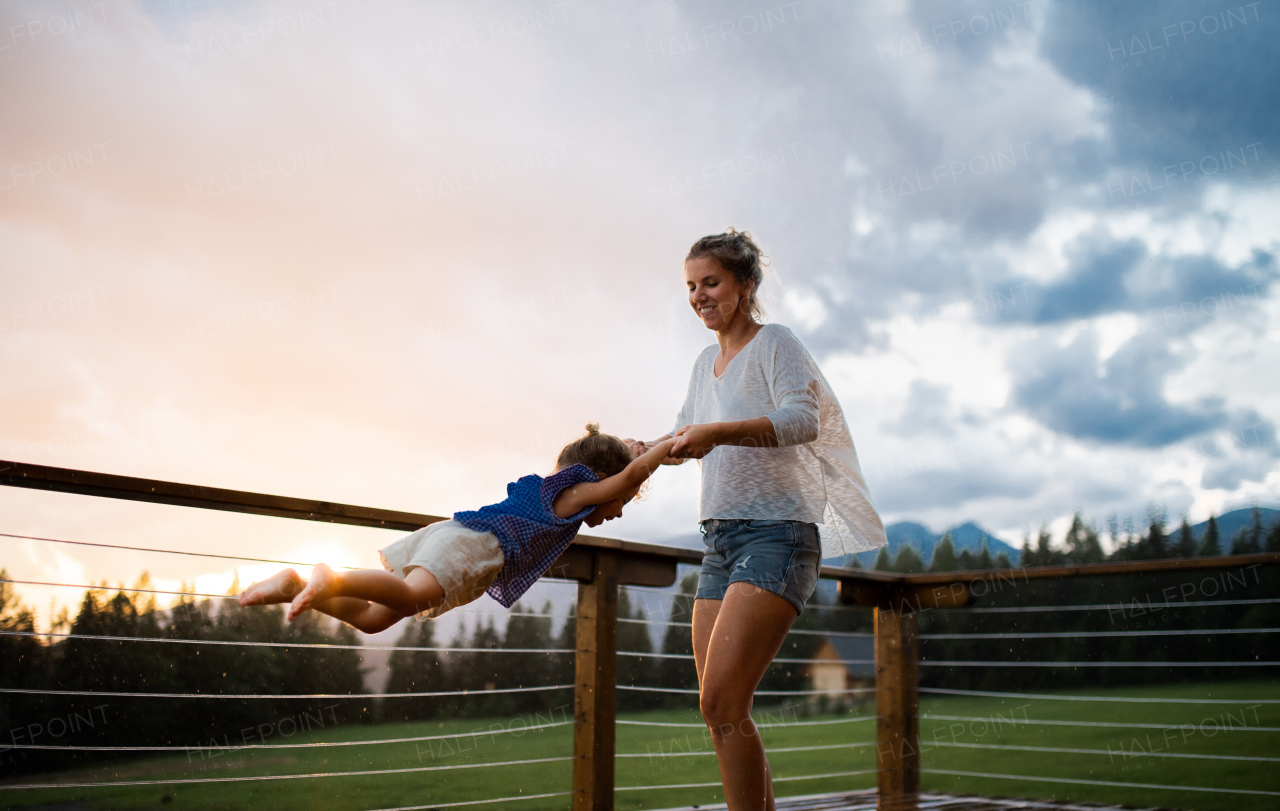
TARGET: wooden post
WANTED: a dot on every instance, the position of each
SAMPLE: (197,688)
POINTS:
(897,702)
(595,685)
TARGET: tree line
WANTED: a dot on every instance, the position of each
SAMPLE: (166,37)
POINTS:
(1179,602)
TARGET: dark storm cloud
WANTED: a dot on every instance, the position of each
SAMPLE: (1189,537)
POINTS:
(1183,79)
(1106,275)
(1121,402)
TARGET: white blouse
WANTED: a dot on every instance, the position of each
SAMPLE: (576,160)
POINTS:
(813,475)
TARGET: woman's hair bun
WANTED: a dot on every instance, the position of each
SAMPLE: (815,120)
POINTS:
(593,428)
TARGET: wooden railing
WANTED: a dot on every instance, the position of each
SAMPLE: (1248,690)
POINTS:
(601,565)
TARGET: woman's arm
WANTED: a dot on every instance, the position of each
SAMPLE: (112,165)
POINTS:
(576,498)
(696,441)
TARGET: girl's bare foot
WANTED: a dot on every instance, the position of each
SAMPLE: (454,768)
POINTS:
(280,588)
(322,585)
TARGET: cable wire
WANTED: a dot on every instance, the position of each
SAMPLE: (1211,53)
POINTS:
(163,551)
(1123,753)
(758,726)
(1109,606)
(243,779)
(1104,724)
(429,694)
(1103,783)
(214,747)
(796,631)
(768,751)
(479,802)
(1009,663)
(694,691)
(238,643)
(120,588)
(1051,697)
(1071,634)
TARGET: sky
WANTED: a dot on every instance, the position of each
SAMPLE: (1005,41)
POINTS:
(398,254)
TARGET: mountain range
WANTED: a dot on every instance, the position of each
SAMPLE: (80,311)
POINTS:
(970,535)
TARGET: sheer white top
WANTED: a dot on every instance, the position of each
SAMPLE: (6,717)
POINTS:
(813,475)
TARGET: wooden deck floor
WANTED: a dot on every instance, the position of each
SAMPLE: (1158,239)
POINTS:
(866,801)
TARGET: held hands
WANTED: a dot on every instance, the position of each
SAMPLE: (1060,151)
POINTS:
(639,448)
(695,441)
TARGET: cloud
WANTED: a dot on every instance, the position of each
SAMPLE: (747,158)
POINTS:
(1182,80)
(1120,400)
(1106,274)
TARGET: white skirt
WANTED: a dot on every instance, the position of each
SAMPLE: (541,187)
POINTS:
(463,561)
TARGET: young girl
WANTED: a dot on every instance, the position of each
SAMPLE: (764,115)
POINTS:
(502,549)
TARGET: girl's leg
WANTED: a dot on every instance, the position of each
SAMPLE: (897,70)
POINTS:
(418,591)
(360,614)
(734,640)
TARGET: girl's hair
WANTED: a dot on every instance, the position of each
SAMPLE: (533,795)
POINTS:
(738,253)
(605,454)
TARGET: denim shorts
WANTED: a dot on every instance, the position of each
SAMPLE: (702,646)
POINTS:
(781,557)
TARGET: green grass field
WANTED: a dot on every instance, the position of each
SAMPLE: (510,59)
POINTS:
(1130,756)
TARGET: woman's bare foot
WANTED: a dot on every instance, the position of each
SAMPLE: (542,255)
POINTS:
(322,585)
(280,588)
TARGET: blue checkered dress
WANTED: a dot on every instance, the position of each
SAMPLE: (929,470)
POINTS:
(530,534)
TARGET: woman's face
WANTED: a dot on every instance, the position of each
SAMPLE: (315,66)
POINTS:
(715,294)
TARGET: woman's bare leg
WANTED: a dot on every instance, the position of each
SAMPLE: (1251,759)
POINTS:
(734,640)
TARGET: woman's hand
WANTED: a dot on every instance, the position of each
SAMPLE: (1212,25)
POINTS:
(639,448)
(696,441)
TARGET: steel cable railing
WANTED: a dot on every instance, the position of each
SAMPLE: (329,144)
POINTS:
(1189,757)
(945,737)
(262,777)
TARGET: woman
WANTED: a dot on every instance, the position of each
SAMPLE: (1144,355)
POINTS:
(777,460)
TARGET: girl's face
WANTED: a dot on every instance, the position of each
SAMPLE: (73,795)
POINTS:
(605,512)
(609,510)
(715,295)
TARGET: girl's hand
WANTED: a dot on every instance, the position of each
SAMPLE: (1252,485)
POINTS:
(695,441)
(639,448)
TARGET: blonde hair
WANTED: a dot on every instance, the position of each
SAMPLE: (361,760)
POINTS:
(604,453)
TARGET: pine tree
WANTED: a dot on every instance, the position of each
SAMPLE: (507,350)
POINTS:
(883,562)
(1273,537)
(1082,542)
(528,631)
(412,672)
(984,557)
(1186,540)
(1028,556)
(1211,545)
(944,556)
(678,639)
(634,670)
(908,561)
(1154,547)
(1249,540)
(1002,561)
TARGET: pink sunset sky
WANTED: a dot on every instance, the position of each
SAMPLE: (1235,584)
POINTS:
(397,255)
